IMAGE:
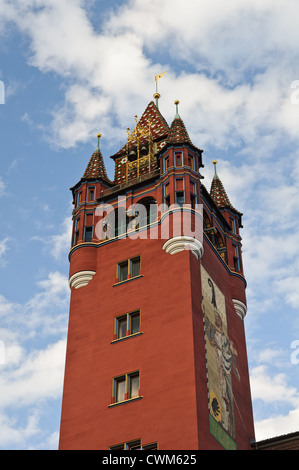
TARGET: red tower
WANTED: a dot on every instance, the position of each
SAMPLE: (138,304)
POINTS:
(156,353)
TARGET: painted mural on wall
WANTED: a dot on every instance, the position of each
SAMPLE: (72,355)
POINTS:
(221,362)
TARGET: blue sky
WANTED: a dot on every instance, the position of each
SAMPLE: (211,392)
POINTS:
(72,68)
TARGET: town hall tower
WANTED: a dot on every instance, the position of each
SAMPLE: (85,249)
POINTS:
(156,351)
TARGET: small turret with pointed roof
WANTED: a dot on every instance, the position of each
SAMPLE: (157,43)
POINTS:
(178,133)
(96,167)
(218,193)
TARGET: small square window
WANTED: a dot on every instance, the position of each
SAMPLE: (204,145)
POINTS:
(128,269)
(127,325)
(126,387)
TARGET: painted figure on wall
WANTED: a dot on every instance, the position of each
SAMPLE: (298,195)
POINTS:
(221,355)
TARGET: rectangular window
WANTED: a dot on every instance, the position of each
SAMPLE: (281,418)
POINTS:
(121,327)
(135,267)
(88,234)
(233,224)
(126,387)
(90,194)
(191,162)
(128,269)
(180,198)
(120,388)
(134,322)
(178,158)
(123,271)
(133,385)
(236,259)
(79,199)
(127,325)
(135,445)
(193,194)
(76,234)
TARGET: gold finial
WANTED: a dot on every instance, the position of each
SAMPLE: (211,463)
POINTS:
(177,116)
(157,96)
(99,136)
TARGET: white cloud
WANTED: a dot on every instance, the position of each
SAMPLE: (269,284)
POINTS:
(274,390)
(32,359)
(11,432)
(3,250)
(60,244)
(111,72)
(277,425)
(39,375)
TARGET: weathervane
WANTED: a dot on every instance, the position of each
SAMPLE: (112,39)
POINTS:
(157,94)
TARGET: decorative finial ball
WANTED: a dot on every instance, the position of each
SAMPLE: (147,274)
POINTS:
(157,96)
(214,162)
(176,102)
(99,136)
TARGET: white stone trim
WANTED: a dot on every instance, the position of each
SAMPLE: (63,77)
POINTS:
(81,279)
(240,308)
(176,244)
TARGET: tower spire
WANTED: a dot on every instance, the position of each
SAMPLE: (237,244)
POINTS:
(217,190)
(96,167)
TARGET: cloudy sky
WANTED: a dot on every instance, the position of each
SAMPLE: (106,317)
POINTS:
(72,68)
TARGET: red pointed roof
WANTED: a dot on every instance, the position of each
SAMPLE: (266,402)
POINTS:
(178,132)
(96,167)
(219,194)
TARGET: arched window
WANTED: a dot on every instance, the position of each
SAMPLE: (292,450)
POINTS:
(116,222)
(145,211)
